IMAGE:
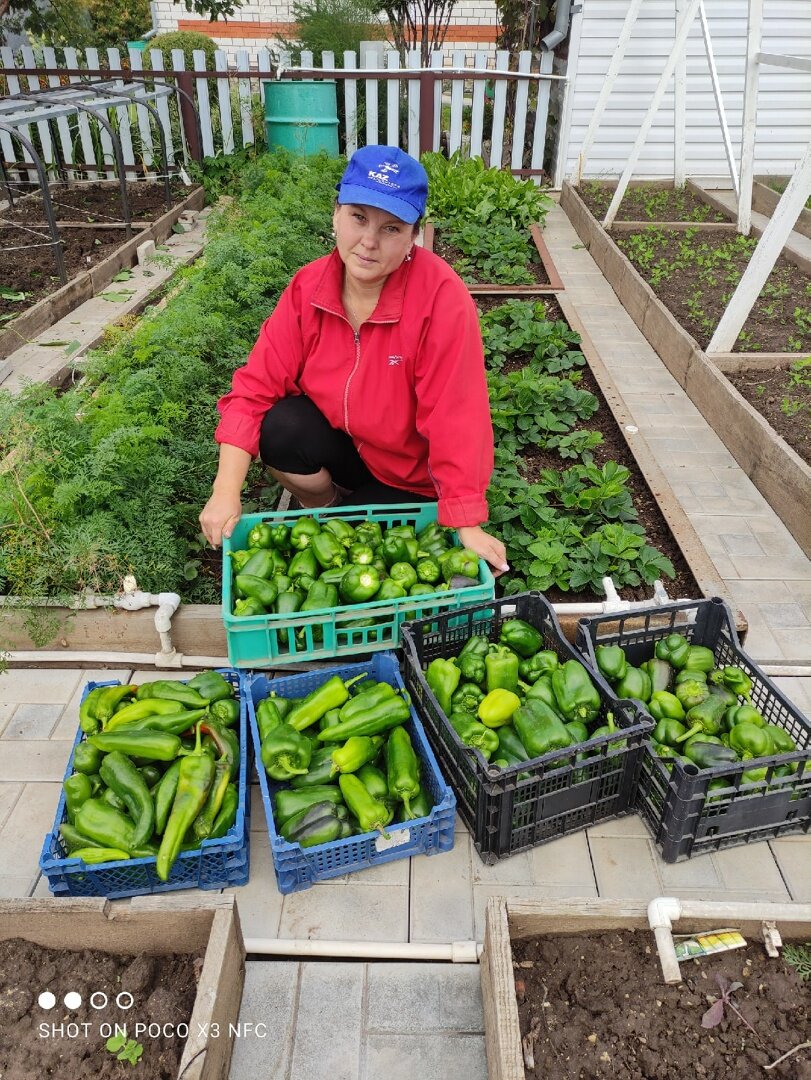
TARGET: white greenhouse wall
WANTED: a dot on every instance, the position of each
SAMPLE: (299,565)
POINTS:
(784,102)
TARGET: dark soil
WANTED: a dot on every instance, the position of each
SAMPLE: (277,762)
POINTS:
(32,1047)
(596,1007)
(786,407)
(649,204)
(697,295)
(452,255)
(99,203)
(31,269)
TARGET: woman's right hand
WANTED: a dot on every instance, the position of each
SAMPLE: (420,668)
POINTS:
(219,516)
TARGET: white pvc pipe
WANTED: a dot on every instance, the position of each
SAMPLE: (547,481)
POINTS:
(125,659)
(458,952)
(661,913)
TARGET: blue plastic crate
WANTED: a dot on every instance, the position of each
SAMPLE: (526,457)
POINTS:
(218,864)
(257,641)
(297,867)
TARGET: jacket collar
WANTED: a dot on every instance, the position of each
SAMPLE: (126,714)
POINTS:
(327,294)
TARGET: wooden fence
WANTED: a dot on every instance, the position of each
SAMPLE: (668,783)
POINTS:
(496,110)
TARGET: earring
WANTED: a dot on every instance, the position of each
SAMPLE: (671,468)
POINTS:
(408,257)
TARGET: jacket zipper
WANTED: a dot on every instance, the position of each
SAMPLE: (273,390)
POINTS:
(349,380)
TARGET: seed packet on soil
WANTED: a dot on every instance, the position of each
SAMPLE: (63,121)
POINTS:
(690,946)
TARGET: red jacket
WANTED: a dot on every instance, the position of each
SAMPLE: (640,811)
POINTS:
(410,389)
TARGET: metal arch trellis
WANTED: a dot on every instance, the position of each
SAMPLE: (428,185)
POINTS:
(95,98)
(56,242)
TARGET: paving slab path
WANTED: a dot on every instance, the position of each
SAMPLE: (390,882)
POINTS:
(359,1020)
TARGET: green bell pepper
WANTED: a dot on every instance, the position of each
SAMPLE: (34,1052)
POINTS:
(169,690)
(466,698)
(540,728)
(674,648)
(212,686)
(248,608)
(329,552)
(742,714)
(240,558)
(470,660)
(320,770)
(691,692)
(635,683)
(398,549)
(280,538)
(781,740)
(359,584)
(428,571)
(361,555)
(520,636)
(699,658)
(248,586)
(541,690)
(369,532)
(86,758)
(474,734)
(575,693)
(608,728)
(665,706)
(404,574)
(303,564)
(734,679)
(289,602)
(750,741)
(578,731)
(501,669)
(261,536)
(612,661)
(510,744)
(707,755)
(498,707)
(684,676)
(302,533)
(542,663)
(460,561)
(660,674)
(264,564)
(443,678)
(669,732)
(343,532)
(286,753)
(704,718)
(390,590)
(225,712)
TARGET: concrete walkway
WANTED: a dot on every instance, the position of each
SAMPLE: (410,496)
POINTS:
(370,1020)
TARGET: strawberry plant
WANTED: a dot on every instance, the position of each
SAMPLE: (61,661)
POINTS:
(521,328)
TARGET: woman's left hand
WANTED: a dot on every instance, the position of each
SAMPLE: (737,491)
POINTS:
(486,547)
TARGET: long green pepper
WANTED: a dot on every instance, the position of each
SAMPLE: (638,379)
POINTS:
(196,776)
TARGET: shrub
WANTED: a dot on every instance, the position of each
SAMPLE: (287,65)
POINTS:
(332,25)
(188,41)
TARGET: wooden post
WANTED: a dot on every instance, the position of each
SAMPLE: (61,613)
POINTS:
(749,120)
(187,112)
(427,79)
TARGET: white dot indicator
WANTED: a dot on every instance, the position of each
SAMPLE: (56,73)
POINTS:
(46,1000)
(73,1000)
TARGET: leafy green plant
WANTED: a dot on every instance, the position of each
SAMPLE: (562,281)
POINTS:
(799,957)
(493,253)
(521,328)
(188,41)
(124,1049)
(463,189)
(331,26)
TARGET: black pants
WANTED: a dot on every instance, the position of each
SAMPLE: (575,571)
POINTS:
(296,438)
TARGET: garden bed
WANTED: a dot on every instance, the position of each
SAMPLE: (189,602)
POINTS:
(651,201)
(55,300)
(541,267)
(576,990)
(98,202)
(765,198)
(778,471)
(181,964)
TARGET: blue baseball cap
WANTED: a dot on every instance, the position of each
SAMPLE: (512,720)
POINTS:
(387,178)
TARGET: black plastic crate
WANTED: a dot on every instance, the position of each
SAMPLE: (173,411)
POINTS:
(506,814)
(683,815)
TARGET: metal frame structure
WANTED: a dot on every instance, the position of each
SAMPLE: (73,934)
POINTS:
(43,107)
(685,12)
(791,202)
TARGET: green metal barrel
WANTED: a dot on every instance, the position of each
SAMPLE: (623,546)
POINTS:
(301,115)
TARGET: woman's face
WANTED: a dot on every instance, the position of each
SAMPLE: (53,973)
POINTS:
(372,243)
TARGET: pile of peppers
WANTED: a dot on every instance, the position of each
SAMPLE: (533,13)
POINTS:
(342,761)
(156,773)
(316,565)
(704,713)
(513,700)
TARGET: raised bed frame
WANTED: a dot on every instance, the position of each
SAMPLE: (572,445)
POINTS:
(555,283)
(513,920)
(88,284)
(778,472)
(155,925)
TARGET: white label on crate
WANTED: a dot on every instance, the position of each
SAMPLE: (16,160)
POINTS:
(396,839)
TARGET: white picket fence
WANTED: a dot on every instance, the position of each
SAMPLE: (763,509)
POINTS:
(496,110)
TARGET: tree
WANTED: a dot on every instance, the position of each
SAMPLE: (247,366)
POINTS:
(91,22)
(418,24)
(523,23)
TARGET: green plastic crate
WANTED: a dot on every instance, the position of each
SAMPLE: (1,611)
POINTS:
(257,641)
